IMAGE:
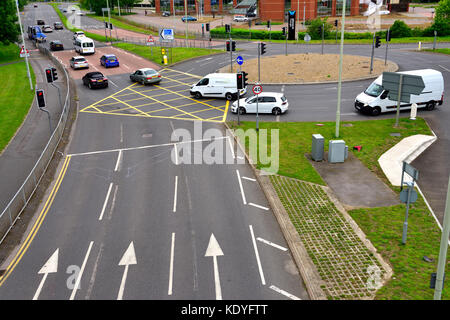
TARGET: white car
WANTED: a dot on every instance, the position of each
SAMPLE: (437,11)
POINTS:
(240,18)
(78,34)
(79,62)
(268,102)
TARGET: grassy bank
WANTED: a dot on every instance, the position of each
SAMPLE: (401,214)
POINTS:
(443,50)
(15,94)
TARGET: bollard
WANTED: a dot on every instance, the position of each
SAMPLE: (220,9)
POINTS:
(420,45)
(165,59)
(413,111)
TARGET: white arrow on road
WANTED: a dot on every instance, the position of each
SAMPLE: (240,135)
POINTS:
(215,251)
(129,257)
(51,266)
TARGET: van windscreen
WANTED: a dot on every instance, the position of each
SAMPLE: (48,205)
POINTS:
(374,90)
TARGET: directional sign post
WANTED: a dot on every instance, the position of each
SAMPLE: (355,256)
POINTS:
(408,195)
(151,43)
(166,35)
(400,87)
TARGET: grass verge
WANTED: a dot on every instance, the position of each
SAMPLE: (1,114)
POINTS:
(443,50)
(13,106)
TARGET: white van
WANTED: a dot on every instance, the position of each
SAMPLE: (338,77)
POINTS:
(84,45)
(374,99)
(218,85)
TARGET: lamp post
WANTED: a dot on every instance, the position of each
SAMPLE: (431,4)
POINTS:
(24,45)
(341,56)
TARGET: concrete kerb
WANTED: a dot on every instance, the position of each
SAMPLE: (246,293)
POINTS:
(304,263)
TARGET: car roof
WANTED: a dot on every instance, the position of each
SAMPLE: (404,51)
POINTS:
(147,69)
(93,73)
(271,94)
(56,41)
(109,55)
(79,57)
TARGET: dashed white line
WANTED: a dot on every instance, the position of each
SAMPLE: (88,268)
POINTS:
(271,244)
(263,280)
(80,274)
(175,195)
(126,66)
(171,265)
(242,189)
(258,206)
(106,201)
(250,179)
(231,147)
(119,161)
(287,294)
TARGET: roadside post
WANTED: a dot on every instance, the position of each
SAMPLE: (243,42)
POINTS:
(104,21)
(257,89)
(400,87)
(373,51)
(40,98)
(109,20)
(408,195)
(336,22)
(24,48)
(166,36)
(434,42)
(151,43)
(413,111)
(440,275)
(388,38)
(341,57)
(323,34)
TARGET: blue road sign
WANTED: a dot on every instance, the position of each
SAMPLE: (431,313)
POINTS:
(240,60)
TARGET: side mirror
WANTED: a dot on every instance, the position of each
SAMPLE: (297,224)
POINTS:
(384,94)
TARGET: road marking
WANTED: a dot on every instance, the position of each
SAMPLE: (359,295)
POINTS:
(214,251)
(80,274)
(287,294)
(106,201)
(51,266)
(110,81)
(126,66)
(129,257)
(171,264)
(240,186)
(94,273)
(258,206)
(444,68)
(113,202)
(119,161)
(175,151)
(231,147)
(250,179)
(175,195)
(37,224)
(277,119)
(271,244)
(121,133)
(263,280)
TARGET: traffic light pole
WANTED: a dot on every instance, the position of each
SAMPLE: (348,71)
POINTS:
(59,94)
(24,46)
(373,50)
(323,32)
(387,45)
(259,61)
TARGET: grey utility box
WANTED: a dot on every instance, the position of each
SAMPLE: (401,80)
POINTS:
(318,145)
(337,151)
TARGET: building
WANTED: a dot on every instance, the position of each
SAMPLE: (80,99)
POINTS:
(267,9)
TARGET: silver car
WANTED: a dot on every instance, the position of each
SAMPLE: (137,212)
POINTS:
(79,62)
(145,76)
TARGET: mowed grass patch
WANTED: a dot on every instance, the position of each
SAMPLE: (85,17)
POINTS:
(443,50)
(9,53)
(15,98)
(411,278)
(179,54)
(295,140)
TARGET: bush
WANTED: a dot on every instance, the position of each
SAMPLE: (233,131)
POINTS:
(313,28)
(400,29)
(442,19)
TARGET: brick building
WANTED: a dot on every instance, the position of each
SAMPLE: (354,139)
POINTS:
(267,9)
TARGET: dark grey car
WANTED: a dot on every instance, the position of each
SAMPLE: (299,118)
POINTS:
(146,76)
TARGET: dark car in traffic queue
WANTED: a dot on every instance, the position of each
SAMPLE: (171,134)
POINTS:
(58,26)
(56,45)
(95,80)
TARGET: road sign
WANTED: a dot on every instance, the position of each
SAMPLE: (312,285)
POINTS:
(404,196)
(166,35)
(24,54)
(239,60)
(257,89)
(307,38)
(105,9)
(150,41)
(411,84)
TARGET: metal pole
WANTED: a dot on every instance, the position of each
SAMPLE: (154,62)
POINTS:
(49,120)
(434,42)
(341,49)
(104,22)
(286,40)
(109,20)
(257,113)
(24,46)
(405,223)
(185,19)
(400,85)
(443,249)
(174,15)
(323,33)
(387,45)
(373,51)
(118,5)
(59,94)
(270,30)
(304,14)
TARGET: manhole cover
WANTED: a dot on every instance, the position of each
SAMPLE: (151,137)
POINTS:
(395,134)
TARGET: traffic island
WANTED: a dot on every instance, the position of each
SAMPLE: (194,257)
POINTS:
(308,68)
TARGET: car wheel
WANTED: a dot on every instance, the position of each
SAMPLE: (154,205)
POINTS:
(197,95)
(90,86)
(242,110)
(376,111)
(430,105)
(143,82)
(276,111)
(229,96)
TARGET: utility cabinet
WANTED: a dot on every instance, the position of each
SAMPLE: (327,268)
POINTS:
(318,146)
(337,151)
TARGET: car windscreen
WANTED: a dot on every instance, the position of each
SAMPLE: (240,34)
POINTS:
(374,90)
(80,60)
(111,58)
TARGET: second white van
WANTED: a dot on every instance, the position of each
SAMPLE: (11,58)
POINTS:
(375,100)
(84,45)
(217,85)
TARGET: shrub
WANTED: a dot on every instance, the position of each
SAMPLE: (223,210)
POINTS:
(400,29)
(313,28)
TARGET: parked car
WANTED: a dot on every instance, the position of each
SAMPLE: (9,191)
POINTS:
(65,10)
(109,60)
(240,18)
(58,26)
(188,18)
(146,76)
(40,22)
(166,14)
(268,102)
(95,80)
(35,5)
(56,45)
(78,34)
(47,28)
(78,62)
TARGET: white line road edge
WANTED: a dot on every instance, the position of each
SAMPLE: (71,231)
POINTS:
(258,206)
(249,179)
(80,274)
(261,273)
(271,244)
(287,294)
(171,265)
(240,186)
(106,201)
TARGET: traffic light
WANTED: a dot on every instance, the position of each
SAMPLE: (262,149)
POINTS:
(245,79)
(48,74)
(228,45)
(54,74)
(233,45)
(377,41)
(106,25)
(239,81)
(268,24)
(227,28)
(319,28)
(207,27)
(40,98)
(263,48)
(388,35)
(283,30)
(336,23)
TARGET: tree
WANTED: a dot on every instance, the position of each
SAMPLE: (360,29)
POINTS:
(97,5)
(442,18)
(313,28)
(9,28)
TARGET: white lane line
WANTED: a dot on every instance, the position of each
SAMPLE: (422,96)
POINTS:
(94,273)
(263,280)
(171,265)
(271,244)
(231,147)
(106,201)
(121,133)
(126,66)
(113,202)
(175,195)
(175,151)
(240,186)
(258,206)
(118,162)
(80,274)
(250,179)
(443,67)
(287,294)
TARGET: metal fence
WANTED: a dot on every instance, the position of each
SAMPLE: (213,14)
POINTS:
(20,200)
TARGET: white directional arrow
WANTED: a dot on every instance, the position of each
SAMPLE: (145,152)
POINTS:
(129,257)
(214,251)
(51,266)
